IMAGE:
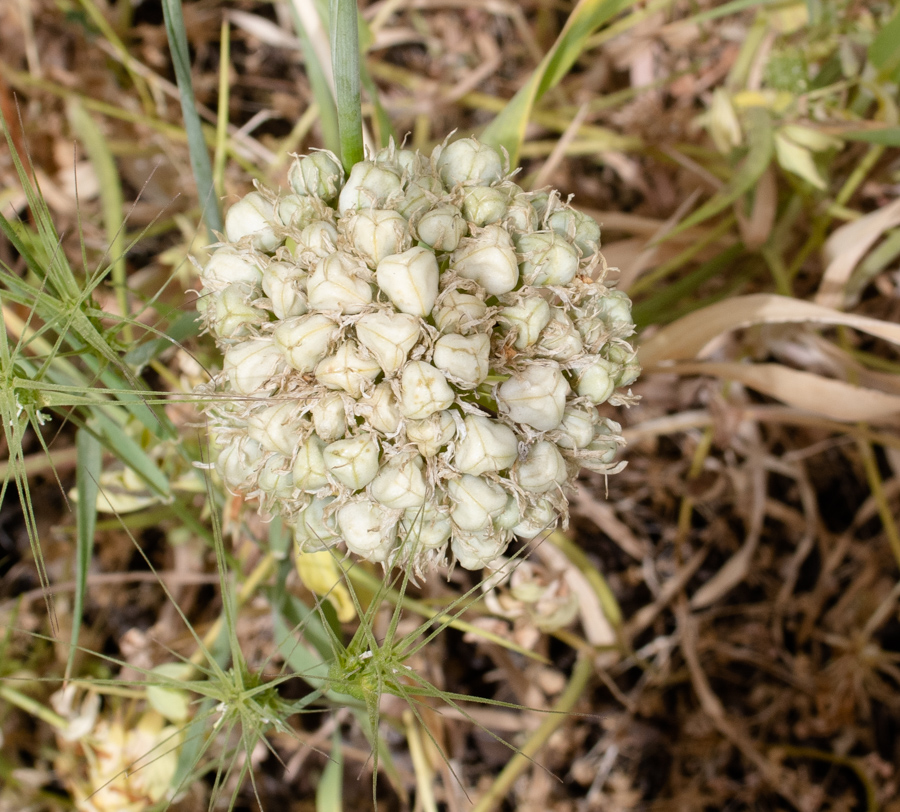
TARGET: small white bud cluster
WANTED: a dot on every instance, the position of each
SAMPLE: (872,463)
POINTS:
(413,355)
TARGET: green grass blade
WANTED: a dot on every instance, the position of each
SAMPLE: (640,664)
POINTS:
(508,129)
(200,163)
(328,792)
(87,483)
(345,64)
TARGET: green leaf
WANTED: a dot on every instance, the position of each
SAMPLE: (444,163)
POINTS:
(886,136)
(87,478)
(759,136)
(200,163)
(884,53)
(345,64)
(328,791)
(507,130)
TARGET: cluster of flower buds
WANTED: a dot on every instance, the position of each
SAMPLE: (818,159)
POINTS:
(413,355)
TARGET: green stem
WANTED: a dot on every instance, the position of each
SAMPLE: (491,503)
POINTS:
(345,64)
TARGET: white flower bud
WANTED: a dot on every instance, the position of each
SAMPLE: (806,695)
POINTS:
(304,340)
(576,429)
(381,409)
(309,465)
(404,160)
(283,284)
(475,502)
(252,216)
(577,228)
(432,433)
(547,258)
(535,396)
(527,318)
(470,163)
(318,174)
(400,483)
(424,528)
(389,337)
(510,516)
(485,204)
(368,186)
(601,452)
(378,233)
(337,285)
(521,215)
(560,339)
(487,445)
(275,478)
(465,359)
(317,239)
(236,464)
(420,194)
(329,417)
(314,530)
(277,428)
(543,470)
(234,315)
(615,310)
(459,312)
(536,519)
(475,551)
(441,227)
(410,280)
(296,212)
(348,369)
(252,366)
(597,381)
(229,267)
(489,259)
(366,532)
(352,462)
(423,390)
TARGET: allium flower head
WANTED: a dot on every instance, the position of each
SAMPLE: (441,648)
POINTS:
(413,355)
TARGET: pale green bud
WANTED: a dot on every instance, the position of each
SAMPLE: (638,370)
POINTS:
(314,529)
(348,369)
(309,465)
(543,470)
(475,551)
(510,515)
(536,519)
(352,462)
(577,228)
(252,366)
(464,359)
(304,340)
(470,163)
(602,450)
(576,429)
(560,339)
(527,318)
(475,502)
(489,259)
(486,445)
(378,233)
(329,417)
(252,216)
(234,315)
(421,193)
(402,160)
(318,174)
(283,284)
(275,478)
(400,483)
(381,409)
(276,428)
(229,267)
(521,215)
(410,280)
(389,337)
(424,528)
(296,212)
(615,310)
(459,312)
(597,382)
(317,239)
(485,204)
(441,227)
(547,258)
(337,285)
(368,186)
(433,433)
(625,358)
(423,390)
(536,396)
(366,531)
(237,462)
